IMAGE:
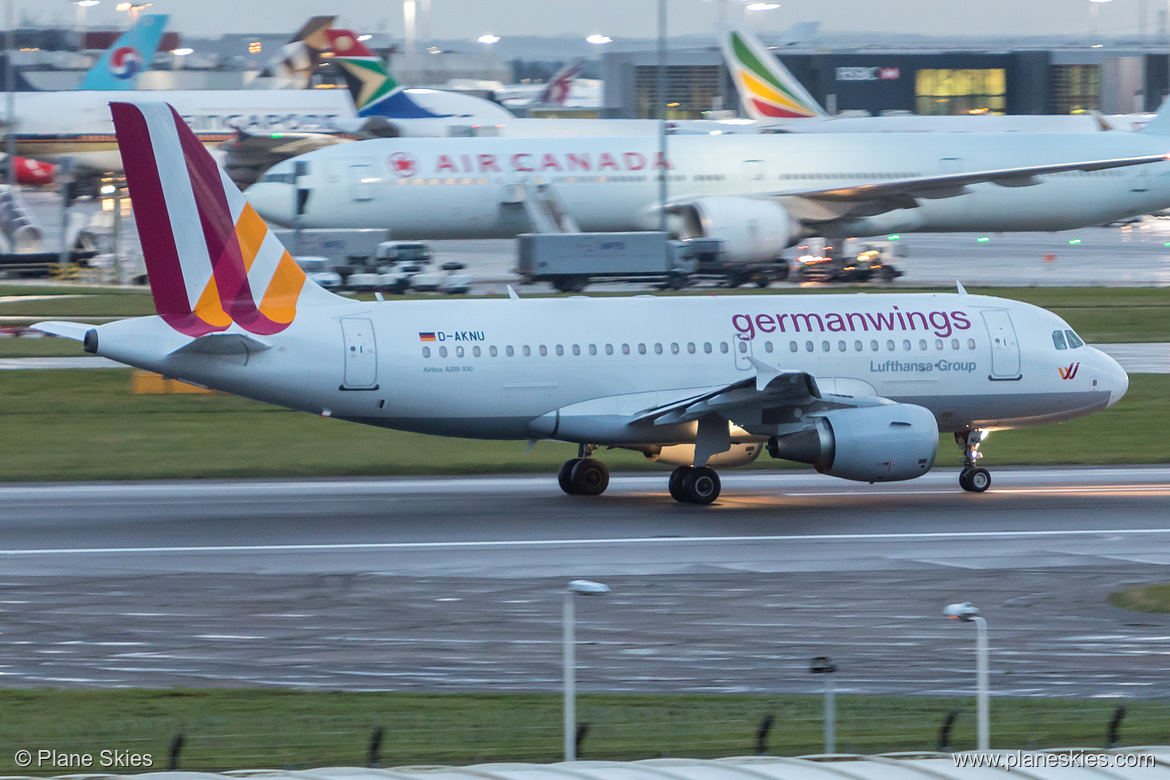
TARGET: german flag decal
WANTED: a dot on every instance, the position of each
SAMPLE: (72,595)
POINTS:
(426,337)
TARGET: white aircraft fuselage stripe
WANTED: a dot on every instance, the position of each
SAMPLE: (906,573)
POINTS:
(457,186)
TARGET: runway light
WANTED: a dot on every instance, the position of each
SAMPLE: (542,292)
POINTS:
(894,237)
(599,40)
(983,239)
(1074,241)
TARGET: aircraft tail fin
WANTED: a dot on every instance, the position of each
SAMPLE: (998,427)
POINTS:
(556,92)
(211,259)
(374,91)
(767,89)
(1160,124)
(131,54)
(299,57)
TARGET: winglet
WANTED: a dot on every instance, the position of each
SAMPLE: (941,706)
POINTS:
(764,373)
(512,293)
(961,289)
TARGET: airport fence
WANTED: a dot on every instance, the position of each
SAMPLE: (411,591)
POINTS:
(464,729)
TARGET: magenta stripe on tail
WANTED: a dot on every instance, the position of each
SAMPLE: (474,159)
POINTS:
(154,222)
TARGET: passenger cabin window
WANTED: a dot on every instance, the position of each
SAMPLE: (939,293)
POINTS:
(592,349)
(543,350)
(641,349)
(560,350)
(707,347)
(1058,339)
(476,351)
(609,349)
(493,351)
(691,347)
(442,352)
(426,351)
(511,351)
(1074,340)
(576,349)
(767,346)
(657,349)
(723,347)
(527,350)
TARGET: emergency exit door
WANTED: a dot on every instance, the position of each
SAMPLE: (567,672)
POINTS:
(361,354)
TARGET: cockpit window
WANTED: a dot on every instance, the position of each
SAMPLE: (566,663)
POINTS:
(279,178)
(1058,339)
(1074,340)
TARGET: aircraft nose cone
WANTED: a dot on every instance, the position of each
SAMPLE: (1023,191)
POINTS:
(1118,382)
(273,201)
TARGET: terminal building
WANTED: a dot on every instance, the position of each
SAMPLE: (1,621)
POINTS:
(1054,81)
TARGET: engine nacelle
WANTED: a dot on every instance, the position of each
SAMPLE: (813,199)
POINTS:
(684,455)
(886,443)
(752,230)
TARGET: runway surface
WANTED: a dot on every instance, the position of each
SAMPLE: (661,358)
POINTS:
(454,584)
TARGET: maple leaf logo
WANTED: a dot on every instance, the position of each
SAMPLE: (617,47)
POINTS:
(403,165)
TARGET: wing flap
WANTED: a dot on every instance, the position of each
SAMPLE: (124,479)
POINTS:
(768,387)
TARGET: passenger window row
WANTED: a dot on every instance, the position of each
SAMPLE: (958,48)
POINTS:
(674,348)
(858,345)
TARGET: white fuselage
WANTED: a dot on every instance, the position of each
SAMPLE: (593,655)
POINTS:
(51,125)
(471,187)
(579,369)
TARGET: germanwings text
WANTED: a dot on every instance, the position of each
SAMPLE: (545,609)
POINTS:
(941,323)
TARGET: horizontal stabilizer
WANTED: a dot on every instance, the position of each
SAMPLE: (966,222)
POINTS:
(69,330)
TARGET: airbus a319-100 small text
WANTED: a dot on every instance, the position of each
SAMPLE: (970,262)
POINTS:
(859,386)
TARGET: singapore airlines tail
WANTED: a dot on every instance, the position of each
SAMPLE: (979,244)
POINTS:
(224,268)
(131,54)
(375,92)
(767,89)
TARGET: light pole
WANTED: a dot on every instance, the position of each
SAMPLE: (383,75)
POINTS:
(1095,18)
(969,613)
(81,5)
(662,100)
(822,665)
(584,588)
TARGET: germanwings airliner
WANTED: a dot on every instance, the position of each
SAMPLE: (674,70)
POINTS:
(759,193)
(859,386)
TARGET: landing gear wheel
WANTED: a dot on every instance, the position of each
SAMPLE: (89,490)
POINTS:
(564,476)
(700,486)
(975,480)
(589,477)
(675,484)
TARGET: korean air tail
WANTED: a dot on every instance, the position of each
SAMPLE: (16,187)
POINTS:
(375,92)
(131,54)
(767,89)
(222,269)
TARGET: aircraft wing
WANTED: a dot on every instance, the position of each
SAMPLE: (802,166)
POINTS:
(768,388)
(903,193)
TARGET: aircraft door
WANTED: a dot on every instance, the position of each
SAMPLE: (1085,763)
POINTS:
(361,180)
(361,355)
(755,173)
(1005,348)
(741,345)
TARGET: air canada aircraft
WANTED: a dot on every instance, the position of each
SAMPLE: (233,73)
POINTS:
(859,386)
(758,193)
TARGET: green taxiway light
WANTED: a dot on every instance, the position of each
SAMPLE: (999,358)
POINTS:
(1074,241)
(894,237)
(983,239)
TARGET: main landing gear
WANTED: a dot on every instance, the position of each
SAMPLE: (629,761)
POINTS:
(972,478)
(692,485)
(583,476)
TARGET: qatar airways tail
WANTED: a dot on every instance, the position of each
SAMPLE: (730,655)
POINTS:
(858,386)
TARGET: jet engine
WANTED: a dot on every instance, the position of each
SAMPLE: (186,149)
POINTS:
(684,455)
(886,443)
(753,230)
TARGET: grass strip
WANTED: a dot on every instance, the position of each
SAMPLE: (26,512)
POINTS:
(238,729)
(1143,598)
(87,425)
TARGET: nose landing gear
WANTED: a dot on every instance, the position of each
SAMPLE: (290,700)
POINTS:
(583,476)
(972,478)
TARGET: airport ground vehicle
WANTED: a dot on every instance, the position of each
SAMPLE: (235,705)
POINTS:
(320,271)
(572,261)
(859,386)
(349,251)
(849,260)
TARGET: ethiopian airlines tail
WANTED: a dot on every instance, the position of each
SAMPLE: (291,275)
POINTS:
(226,267)
(131,54)
(375,92)
(766,88)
